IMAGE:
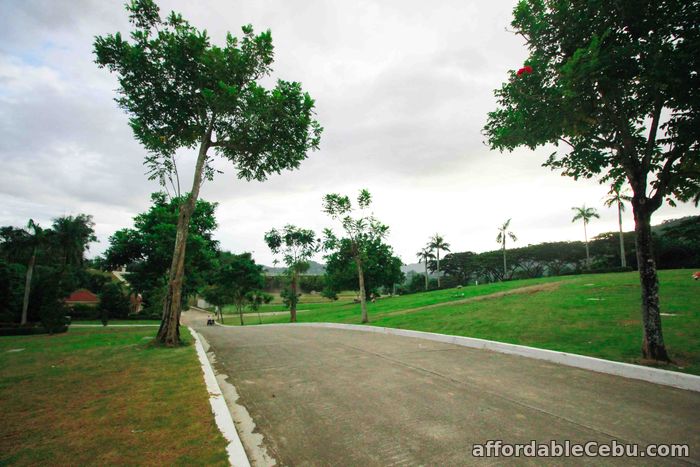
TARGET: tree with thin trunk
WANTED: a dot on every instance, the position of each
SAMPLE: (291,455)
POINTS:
(425,256)
(35,238)
(616,89)
(297,246)
(618,197)
(181,91)
(437,243)
(503,233)
(361,231)
(585,214)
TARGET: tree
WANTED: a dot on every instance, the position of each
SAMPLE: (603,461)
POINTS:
(238,282)
(360,230)
(503,232)
(114,303)
(438,243)
(424,256)
(147,247)
(181,91)
(616,83)
(297,246)
(618,197)
(381,269)
(72,235)
(36,236)
(585,214)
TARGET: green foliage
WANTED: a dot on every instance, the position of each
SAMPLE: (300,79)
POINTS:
(72,235)
(616,82)
(382,270)
(148,247)
(11,291)
(49,303)
(179,89)
(114,302)
(239,282)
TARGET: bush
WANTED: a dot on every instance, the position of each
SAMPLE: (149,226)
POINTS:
(81,311)
(113,302)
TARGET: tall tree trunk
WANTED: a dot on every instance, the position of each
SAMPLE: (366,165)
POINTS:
(505,269)
(363,298)
(653,342)
(438,266)
(169,331)
(293,302)
(426,274)
(623,258)
(585,237)
(239,307)
(28,287)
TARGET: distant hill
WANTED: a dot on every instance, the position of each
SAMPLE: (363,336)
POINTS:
(315,269)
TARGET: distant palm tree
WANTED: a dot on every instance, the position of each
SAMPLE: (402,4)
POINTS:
(424,256)
(503,233)
(72,235)
(437,242)
(618,196)
(586,214)
(34,240)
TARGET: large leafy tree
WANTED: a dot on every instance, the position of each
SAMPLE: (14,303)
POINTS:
(147,247)
(615,84)
(239,281)
(297,246)
(72,236)
(585,215)
(381,268)
(437,243)
(361,230)
(503,234)
(182,91)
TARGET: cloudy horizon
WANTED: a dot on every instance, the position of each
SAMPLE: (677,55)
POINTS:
(402,90)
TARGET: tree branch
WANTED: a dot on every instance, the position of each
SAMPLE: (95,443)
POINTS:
(656,114)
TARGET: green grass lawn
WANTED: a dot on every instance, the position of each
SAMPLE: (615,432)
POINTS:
(596,315)
(104,396)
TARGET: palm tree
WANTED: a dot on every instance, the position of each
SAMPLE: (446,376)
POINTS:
(73,235)
(503,233)
(618,196)
(437,242)
(35,237)
(586,214)
(424,256)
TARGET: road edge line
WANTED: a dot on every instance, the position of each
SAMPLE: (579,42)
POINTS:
(237,456)
(626,370)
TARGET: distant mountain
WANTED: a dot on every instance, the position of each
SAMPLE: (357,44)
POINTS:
(418,268)
(315,269)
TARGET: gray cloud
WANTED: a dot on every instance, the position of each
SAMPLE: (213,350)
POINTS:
(402,89)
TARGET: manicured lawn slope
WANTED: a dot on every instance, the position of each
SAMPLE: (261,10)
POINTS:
(596,315)
(97,396)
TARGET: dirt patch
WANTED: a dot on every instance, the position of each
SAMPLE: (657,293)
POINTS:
(532,289)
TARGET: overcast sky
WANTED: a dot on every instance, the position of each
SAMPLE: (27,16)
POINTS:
(402,89)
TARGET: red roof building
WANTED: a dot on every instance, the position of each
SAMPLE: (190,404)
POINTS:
(83,297)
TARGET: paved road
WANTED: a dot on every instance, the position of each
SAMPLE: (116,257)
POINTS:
(337,397)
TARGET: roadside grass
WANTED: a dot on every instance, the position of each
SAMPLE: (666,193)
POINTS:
(593,314)
(104,396)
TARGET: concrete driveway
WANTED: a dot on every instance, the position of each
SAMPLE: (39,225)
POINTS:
(336,397)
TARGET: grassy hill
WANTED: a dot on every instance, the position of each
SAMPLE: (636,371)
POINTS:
(593,314)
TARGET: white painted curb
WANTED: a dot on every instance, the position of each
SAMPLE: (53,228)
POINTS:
(236,454)
(626,370)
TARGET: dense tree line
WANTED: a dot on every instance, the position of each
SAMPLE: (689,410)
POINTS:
(39,267)
(677,245)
